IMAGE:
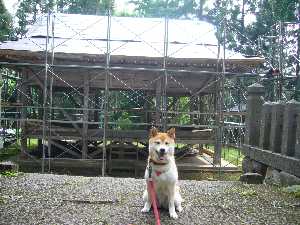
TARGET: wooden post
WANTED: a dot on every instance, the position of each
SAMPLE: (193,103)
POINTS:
(85,116)
(297,145)
(24,100)
(254,111)
(193,108)
(147,115)
(265,128)
(289,128)
(40,115)
(97,106)
(276,127)
(158,102)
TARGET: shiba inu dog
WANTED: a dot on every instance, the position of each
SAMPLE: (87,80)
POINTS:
(161,165)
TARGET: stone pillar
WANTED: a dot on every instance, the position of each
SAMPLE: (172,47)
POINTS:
(265,127)
(276,127)
(289,128)
(254,111)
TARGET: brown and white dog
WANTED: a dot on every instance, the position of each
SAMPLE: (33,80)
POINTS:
(163,172)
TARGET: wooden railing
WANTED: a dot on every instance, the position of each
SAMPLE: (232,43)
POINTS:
(273,132)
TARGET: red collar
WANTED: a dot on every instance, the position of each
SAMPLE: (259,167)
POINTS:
(157,163)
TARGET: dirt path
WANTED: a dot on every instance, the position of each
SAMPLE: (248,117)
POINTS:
(56,199)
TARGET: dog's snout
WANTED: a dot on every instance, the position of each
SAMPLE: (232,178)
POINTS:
(162,151)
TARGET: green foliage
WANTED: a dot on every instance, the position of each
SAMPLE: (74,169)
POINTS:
(87,7)
(14,149)
(123,122)
(162,8)
(231,155)
(125,14)
(28,11)
(2,200)
(233,14)
(183,119)
(8,85)
(125,100)
(6,25)
(9,173)
(9,151)
(249,193)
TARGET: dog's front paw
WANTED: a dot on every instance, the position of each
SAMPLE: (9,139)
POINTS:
(173,215)
(145,210)
(179,209)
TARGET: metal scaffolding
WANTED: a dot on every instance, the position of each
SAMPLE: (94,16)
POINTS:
(217,117)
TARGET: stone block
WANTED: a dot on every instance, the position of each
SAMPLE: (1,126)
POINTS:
(252,166)
(287,179)
(252,178)
(272,176)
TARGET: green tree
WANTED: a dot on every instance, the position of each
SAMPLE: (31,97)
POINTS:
(162,8)
(258,38)
(232,13)
(6,27)
(29,9)
(87,7)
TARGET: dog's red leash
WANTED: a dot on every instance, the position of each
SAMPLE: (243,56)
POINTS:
(150,185)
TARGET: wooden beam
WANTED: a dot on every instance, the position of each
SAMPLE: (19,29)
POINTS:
(278,161)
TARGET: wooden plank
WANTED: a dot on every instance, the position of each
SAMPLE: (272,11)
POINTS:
(12,55)
(281,162)
(65,163)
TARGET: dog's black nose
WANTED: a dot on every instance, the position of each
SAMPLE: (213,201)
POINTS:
(162,151)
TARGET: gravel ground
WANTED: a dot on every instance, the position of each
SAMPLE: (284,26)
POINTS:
(60,199)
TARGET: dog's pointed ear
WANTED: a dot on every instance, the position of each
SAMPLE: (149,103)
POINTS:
(153,132)
(171,133)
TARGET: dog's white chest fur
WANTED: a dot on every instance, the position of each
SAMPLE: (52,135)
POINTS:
(165,179)
(162,183)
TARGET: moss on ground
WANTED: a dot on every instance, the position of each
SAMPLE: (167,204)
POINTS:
(8,173)
(293,190)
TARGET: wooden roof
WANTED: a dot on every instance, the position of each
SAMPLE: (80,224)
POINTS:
(79,44)
(141,38)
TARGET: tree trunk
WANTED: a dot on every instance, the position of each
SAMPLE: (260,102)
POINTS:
(200,9)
